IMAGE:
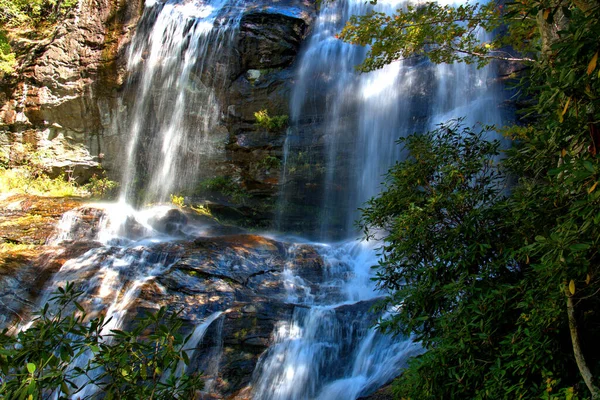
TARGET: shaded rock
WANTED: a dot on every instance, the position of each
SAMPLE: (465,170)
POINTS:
(171,223)
(270,36)
(385,393)
(26,264)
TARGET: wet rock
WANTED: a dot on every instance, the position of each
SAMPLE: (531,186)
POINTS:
(171,223)
(26,263)
(270,36)
(244,335)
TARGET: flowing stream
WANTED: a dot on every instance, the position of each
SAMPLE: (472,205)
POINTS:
(328,348)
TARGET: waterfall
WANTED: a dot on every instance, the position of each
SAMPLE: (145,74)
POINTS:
(351,121)
(319,354)
(324,352)
(342,136)
(195,340)
(177,61)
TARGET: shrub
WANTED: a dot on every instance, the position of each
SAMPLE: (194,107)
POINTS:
(101,187)
(269,163)
(48,358)
(271,124)
(226,186)
(178,201)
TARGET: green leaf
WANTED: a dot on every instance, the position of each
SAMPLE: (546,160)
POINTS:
(589,166)
(579,247)
(31,368)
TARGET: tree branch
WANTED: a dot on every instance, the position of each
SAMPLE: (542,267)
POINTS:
(581,364)
(492,56)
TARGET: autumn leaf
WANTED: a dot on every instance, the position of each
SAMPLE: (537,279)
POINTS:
(572,287)
(564,111)
(592,65)
(546,14)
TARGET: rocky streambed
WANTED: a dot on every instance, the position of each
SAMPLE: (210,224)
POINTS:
(264,294)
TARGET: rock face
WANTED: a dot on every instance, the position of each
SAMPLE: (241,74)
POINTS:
(73,97)
(66,83)
(26,263)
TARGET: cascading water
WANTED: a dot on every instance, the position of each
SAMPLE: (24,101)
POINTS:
(177,61)
(318,355)
(323,352)
(359,117)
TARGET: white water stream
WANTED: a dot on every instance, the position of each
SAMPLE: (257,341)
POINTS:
(175,65)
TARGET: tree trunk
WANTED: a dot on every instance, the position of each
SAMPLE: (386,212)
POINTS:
(581,364)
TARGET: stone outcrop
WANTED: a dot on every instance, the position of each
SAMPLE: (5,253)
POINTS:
(26,263)
(66,83)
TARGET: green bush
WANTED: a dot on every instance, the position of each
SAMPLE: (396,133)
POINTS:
(101,187)
(27,15)
(39,362)
(269,162)
(269,123)
(178,201)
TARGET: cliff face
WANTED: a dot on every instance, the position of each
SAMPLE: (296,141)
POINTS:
(73,95)
(64,84)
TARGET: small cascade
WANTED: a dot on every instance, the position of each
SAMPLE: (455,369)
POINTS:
(195,340)
(177,61)
(110,279)
(329,348)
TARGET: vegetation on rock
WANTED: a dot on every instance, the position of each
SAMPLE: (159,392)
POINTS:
(20,16)
(275,123)
(500,285)
(26,171)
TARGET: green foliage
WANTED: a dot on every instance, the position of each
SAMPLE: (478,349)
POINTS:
(271,124)
(483,273)
(178,201)
(24,15)
(16,12)
(41,361)
(432,203)
(456,257)
(444,33)
(27,180)
(226,186)
(101,187)
(269,162)
(7,57)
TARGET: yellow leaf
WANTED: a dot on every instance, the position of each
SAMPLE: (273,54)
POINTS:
(592,64)
(546,14)
(588,278)
(563,152)
(590,190)
(527,262)
(572,286)
(564,111)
